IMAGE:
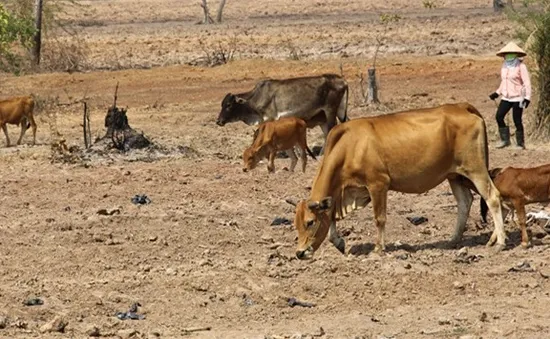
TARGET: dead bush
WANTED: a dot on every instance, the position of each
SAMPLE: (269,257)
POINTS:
(217,53)
(66,54)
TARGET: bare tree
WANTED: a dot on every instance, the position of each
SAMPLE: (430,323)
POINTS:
(38,31)
(207,17)
(220,11)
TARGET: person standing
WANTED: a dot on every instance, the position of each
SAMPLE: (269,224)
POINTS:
(515,89)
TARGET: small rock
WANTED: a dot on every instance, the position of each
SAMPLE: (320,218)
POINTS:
(458,285)
(58,324)
(443,321)
(407,266)
(3,322)
(127,333)
(153,238)
(93,331)
(462,252)
(171,271)
(483,317)
(154,334)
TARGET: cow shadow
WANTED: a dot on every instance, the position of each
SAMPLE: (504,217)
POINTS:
(513,241)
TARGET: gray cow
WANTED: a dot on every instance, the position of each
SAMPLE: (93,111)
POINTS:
(318,100)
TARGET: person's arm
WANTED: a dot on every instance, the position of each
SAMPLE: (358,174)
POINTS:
(526,80)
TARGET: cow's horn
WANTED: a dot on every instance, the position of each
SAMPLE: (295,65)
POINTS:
(292,202)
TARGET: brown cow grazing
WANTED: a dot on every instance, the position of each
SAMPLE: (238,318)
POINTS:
(519,187)
(409,152)
(18,111)
(274,136)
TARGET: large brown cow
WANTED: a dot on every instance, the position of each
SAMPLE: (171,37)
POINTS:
(318,100)
(409,152)
(18,111)
(519,187)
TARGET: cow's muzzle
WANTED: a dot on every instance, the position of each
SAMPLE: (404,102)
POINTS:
(219,122)
(304,254)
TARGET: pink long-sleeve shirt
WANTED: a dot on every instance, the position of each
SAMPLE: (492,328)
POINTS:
(515,83)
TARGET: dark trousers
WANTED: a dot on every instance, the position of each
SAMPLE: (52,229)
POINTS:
(517,112)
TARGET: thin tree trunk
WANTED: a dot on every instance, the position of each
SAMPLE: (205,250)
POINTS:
(207,17)
(38,35)
(220,11)
(372,94)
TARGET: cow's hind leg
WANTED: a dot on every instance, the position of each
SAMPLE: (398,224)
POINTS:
(464,200)
(293,158)
(24,124)
(303,150)
(519,206)
(489,192)
(5,129)
(271,161)
(33,125)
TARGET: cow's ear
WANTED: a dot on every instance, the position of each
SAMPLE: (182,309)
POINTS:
(240,100)
(320,206)
(325,204)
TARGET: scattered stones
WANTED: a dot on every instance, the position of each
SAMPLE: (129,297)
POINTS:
(417,220)
(3,322)
(140,199)
(127,333)
(443,321)
(295,302)
(131,314)
(57,324)
(171,271)
(458,285)
(104,211)
(523,266)
(93,331)
(33,302)
(483,317)
(281,221)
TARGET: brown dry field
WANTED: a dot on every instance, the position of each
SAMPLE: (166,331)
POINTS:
(203,253)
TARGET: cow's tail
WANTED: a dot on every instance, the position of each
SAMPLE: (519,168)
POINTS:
(342,113)
(483,208)
(310,153)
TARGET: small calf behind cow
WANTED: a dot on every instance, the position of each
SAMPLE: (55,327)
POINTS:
(274,136)
(18,111)
(519,187)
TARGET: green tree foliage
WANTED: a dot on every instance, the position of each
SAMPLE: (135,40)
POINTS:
(16,32)
(533,17)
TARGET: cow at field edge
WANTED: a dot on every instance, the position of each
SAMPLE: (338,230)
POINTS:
(318,100)
(274,136)
(409,152)
(519,187)
(18,111)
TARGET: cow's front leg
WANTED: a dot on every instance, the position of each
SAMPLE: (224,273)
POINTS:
(271,161)
(5,129)
(379,196)
(335,239)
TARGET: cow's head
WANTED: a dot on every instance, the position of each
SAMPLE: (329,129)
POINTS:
(312,221)
(250,159)
(232,108)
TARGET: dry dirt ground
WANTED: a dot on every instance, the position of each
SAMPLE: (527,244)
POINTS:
(203,253)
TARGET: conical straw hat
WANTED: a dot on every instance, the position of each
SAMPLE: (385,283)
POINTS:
(511,48)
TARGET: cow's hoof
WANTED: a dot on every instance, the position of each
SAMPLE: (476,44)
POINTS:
(525,245)
(341,245)
(379,249)
(498,248)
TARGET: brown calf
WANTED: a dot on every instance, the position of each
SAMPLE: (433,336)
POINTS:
(17,111)
(519,187)
(274,136)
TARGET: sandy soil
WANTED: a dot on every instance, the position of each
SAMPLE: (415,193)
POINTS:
(203,253)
